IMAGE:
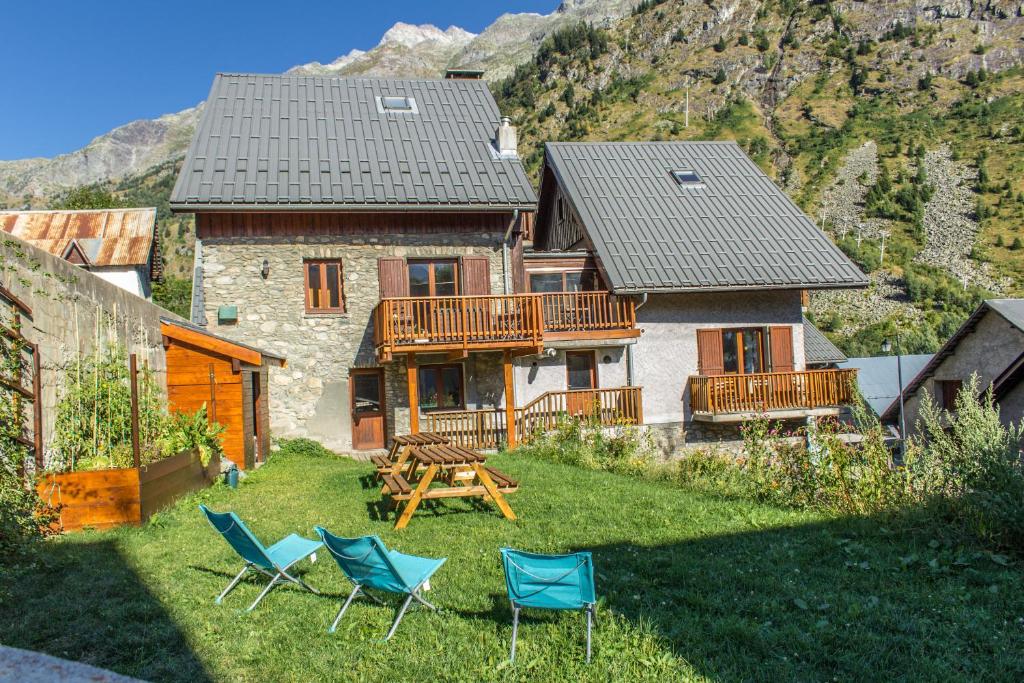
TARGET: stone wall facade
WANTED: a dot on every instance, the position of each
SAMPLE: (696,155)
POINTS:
(310,397)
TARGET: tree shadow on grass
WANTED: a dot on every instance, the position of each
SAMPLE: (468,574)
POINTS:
(80,600)
(844,599)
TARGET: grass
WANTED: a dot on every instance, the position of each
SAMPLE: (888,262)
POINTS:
(692,587)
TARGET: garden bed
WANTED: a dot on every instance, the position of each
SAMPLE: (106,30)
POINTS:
(112,497)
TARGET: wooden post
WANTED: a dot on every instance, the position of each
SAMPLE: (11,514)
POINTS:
(510,401)
(414,396)
(37,407)
(134,376)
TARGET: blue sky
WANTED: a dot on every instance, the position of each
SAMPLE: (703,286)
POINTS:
(74,69)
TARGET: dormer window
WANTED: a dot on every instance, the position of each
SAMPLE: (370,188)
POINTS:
(398,104)
(687,178)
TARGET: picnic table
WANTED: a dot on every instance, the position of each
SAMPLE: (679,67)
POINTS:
(462,473)
(397,456)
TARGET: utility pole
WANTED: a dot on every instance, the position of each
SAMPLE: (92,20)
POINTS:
(881,253)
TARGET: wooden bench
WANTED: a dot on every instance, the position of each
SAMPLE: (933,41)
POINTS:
(397,485)
(505,483)
(382,463)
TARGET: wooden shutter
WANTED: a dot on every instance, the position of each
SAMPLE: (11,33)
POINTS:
(710,359)
(781,340)
(393,276)
(476,275)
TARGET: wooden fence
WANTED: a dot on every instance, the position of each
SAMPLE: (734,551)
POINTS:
(488,428)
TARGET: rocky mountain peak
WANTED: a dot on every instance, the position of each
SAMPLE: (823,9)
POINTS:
(411,35)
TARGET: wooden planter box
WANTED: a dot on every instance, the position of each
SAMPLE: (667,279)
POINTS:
(108,498)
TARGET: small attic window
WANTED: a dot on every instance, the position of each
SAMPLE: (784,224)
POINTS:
(399,104)
(687,178)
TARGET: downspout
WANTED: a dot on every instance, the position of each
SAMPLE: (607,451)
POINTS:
(630,372)
(505,259)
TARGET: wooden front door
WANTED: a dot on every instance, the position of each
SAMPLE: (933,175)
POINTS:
(368,410)
(581,375)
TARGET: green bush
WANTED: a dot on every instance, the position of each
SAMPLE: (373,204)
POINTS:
(624,449)
(968,466)
(306,448)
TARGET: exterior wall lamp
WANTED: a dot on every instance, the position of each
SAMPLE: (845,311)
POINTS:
(265,270)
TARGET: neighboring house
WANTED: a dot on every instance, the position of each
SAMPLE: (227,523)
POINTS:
(989,343)
(878,377)
(716,258)
(119,245)
(66,314)
(819,351)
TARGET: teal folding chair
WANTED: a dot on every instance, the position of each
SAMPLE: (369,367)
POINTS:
(562,582)
(369,564)
(274,561)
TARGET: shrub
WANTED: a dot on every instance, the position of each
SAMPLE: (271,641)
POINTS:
(306,448)
(719,77)
(720,45)
(968,465)
(625,449)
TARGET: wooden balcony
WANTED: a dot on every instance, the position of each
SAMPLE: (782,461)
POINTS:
(501,322)
(733,398)
(488,429)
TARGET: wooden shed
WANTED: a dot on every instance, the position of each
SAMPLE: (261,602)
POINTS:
(230,378)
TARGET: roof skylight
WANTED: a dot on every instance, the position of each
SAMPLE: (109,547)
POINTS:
(687,178)
(397,103)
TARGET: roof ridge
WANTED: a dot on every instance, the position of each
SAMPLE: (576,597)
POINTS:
(455,82)
(120,208)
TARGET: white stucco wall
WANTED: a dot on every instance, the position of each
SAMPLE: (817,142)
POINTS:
(988,350)
(535,375)
(665,356)
(128,279)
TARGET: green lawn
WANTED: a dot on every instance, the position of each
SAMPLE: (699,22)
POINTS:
(692,587)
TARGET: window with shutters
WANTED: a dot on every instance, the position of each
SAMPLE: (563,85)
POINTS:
(741,351)
(324,286)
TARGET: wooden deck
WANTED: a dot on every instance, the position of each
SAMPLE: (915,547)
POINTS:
(724,398)
(501,322)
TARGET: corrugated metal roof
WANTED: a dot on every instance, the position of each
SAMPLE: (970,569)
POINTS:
(313,142)
(105,237)
(735,229)
(877,377)
(818,348)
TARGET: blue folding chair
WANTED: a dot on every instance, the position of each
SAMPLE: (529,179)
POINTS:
(274,561)
(563,582)
(369,564)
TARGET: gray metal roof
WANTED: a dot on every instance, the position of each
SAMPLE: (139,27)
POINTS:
(734,230)
(318,143)
(877,377)
(818,348)
(1011,309)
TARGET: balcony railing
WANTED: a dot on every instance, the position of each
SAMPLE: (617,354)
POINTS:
(489,429)
(500,321)
(771,391)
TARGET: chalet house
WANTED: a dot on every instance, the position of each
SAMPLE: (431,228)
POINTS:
(380,233)
(716,259)
(371,231)
(989,343)
(119,245)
